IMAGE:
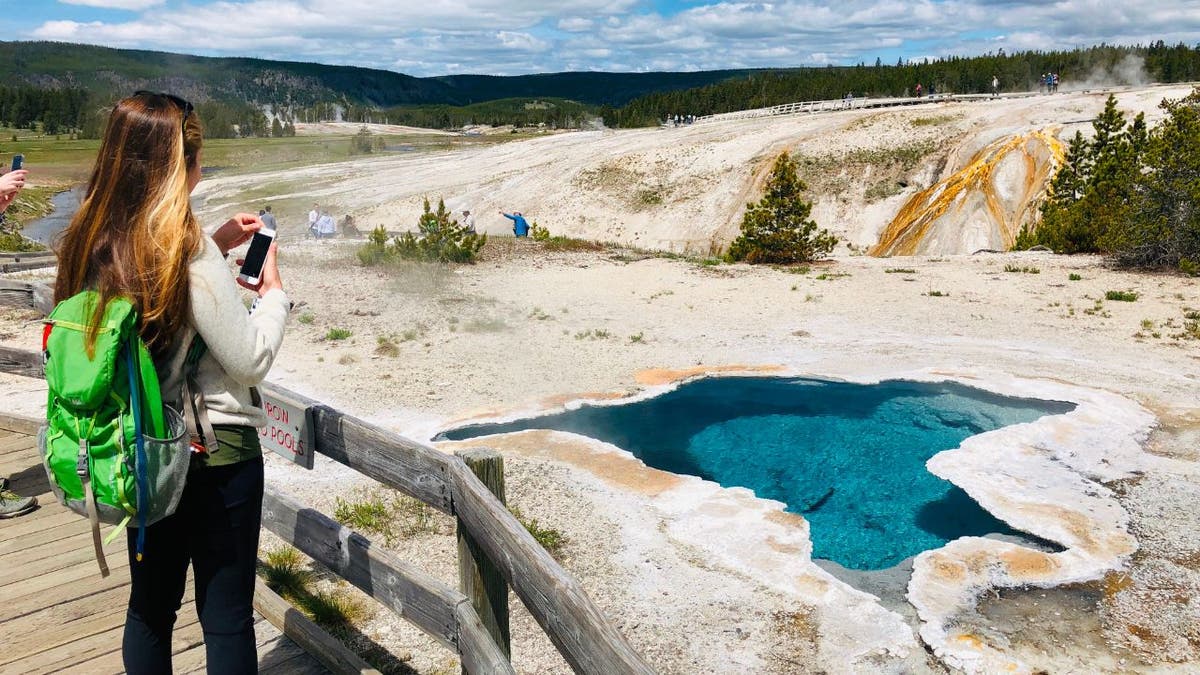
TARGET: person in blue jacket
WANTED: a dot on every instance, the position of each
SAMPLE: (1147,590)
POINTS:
(520,227)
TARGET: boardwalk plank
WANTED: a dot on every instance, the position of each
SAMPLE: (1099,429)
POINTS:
(59,615)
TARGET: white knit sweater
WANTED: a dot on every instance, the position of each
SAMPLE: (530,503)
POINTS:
(241,345)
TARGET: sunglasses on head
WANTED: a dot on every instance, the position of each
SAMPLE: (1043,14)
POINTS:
(183,104)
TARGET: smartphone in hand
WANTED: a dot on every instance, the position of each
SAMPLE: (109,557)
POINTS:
(18,162)
(257,255)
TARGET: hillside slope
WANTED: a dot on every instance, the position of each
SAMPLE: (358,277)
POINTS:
(683,189)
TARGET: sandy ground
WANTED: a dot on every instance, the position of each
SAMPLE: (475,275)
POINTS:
(526,330)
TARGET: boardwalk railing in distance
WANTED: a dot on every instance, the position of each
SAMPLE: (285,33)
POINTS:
(856,103)
(583,635)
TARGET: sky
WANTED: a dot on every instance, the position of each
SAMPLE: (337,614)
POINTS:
(512,37)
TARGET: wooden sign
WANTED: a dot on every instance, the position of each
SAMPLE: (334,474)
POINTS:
(289,429)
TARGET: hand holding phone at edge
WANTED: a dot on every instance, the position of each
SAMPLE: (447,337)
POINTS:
(269,279)
(236,231)
(10,184)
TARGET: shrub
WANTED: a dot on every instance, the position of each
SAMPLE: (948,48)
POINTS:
(385,345)
(937,294)
(334,610)
(538,233)
(439,238)
(338,334)
(285,573)
(1121,296)
(899,270)
(306,318)
(778,228)
(1074,277)
(551,539)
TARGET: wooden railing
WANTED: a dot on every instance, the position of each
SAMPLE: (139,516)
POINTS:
(583,635)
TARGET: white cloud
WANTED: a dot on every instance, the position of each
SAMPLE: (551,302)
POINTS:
(521,36)
(575,24)
(134,5)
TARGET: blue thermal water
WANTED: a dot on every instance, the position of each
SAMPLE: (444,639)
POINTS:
(849,457)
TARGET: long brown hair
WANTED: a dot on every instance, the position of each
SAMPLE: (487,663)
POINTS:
(135,232)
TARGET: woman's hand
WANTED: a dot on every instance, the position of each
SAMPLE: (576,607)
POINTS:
(10,184)
(236,231)
(268,279)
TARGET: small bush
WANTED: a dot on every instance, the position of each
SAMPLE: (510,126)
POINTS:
(1189,267)
(593,334)
(899,270)
(385,345)
(306,318)
(551,539)
(334,610)
(1121,296)
(560,243)
(286,573)
(937,294)
(1074,277)
(338,334)
(1022,270)
(637,338)
(369,516)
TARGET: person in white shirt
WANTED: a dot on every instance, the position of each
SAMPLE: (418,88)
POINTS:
(313,216)
(325,227)
(469,221)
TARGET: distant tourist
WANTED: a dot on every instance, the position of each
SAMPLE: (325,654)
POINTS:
(349,229)
(520,226)
(919,90)
(313,217)
(995,85)
(268,218)
(468,221)
(12,504)
(325,226)
(1054,82)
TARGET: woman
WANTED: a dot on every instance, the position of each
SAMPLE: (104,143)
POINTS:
(135,236)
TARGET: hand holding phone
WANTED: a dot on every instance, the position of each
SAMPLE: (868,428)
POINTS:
(18,162)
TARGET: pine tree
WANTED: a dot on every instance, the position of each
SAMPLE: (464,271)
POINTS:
(1163,227)
(276,128)
(778,229)
(441,239)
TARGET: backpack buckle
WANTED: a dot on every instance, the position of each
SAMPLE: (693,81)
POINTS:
(81,464)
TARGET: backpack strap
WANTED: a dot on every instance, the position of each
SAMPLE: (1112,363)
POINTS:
(195,412)
(89,497)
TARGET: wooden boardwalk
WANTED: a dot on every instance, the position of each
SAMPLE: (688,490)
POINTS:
(57,614)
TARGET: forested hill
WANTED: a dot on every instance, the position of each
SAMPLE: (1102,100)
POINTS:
(1101,65)
(106,73)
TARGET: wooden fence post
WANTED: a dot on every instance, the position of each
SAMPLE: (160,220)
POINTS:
(479,579)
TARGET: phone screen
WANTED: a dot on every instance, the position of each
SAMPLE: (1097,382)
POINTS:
(257,255)
(18,162)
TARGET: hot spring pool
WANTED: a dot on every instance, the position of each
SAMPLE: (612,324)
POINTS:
(849,457)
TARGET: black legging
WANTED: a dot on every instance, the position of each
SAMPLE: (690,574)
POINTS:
(216,529)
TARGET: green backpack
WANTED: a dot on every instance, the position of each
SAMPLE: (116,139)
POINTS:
(111,450)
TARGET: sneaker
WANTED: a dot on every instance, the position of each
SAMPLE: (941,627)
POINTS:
(13,505)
